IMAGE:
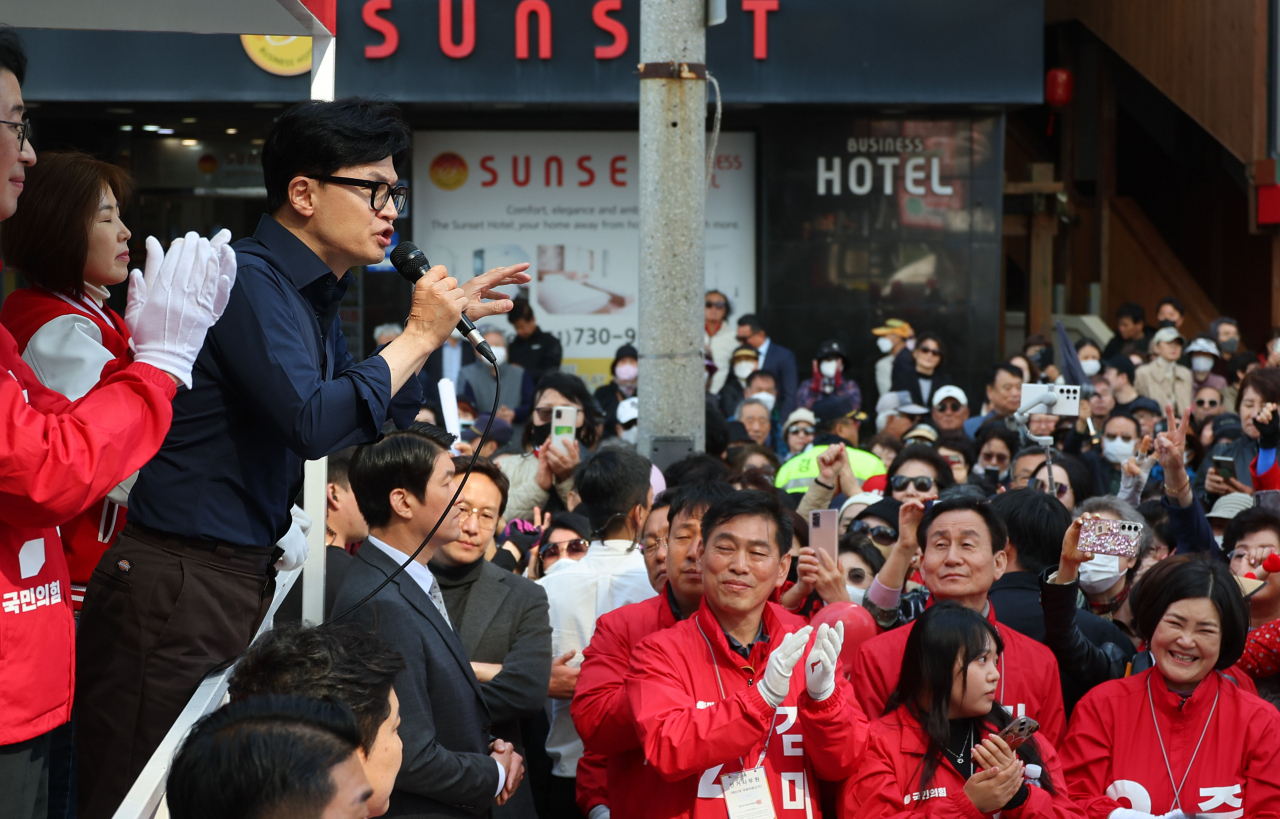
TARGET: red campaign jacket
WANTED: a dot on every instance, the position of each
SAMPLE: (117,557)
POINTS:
(888,780)
(1267,480)
(56,459)
(692,736)
(602,713)
(86,536)
(1112,757)
(1029,682)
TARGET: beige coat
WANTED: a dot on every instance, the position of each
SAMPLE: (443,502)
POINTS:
(1165,385)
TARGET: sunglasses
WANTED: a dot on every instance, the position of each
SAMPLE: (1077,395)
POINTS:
(929,350)
(949,406)
(1038,484)
(719,305)
(796,429)
(922,483)
(884,535)
(1210,402)
(574,548)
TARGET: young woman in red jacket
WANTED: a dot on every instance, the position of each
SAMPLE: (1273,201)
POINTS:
(937,753)
(68,242)
(1181,738)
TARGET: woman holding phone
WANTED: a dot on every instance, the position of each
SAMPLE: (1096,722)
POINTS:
(1182,735)
(543,475)
(937,751)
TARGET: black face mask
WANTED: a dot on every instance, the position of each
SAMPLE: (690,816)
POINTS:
(1168,323)
(1230,345)
(540,433)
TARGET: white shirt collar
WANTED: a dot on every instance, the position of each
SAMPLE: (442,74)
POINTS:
(763,349)
(420,574)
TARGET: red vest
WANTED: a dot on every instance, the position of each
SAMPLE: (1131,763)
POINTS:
(1029,682)
(1112,756)
(86,536)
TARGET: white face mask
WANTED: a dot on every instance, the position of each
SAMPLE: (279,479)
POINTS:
(626,372)
(855,594)
(1117,451)
(1091,366)
(911,344)
(1100,574)
(766,398)
(499,355)
(829,368)
(885,344)
(1202,363)
(630,435)
(743,369)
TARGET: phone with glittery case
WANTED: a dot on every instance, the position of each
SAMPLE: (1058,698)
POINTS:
(1110,537)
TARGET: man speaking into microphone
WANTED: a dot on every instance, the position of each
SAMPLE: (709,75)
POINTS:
(185,586)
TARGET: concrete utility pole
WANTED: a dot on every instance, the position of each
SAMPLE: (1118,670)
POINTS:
(673,198)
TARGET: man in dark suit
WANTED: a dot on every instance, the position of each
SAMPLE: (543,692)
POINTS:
(773,357)
(501,617)
(446,362)
(451,767)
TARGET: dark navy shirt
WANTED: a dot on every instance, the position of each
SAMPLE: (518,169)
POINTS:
(273,386)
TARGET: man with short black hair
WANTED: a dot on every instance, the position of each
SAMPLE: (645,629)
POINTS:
(273,386)
(601,711)
(962,542)
(405,485)
(773,357)
(721,691)
(616,495)
(1004,394)
(1120,373)
(345,662)
(501,618)
(1169,313)
(535,349)
(1131,328)
(1036,522)
(1023,465)
(271,756)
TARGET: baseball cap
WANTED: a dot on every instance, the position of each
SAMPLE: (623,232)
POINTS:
(921,432)
(894,327)
(500,433)
(831,349)
(864,498)
(1230,505)
(800,414)
(1203,345)
(885,508)
(1144,403)
(943,393)
(628,410)
(831,408)
(899,402)
(1165,334)
(746,351)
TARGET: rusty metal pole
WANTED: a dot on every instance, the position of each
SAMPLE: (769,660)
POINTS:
(673,195)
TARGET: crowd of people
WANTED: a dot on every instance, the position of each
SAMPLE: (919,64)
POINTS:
(614,638)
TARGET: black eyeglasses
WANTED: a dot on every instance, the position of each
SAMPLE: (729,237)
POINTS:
(379,192)
(1201,402)
(1059,489)
(796,429)
(718,305)
(923,483)
(574,548)
(22,129)
(949,406)
(929,350)
(884,535)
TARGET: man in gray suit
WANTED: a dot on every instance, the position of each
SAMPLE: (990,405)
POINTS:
(501,617)
(452,766)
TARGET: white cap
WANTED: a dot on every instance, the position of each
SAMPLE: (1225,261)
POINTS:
(1230,505)
(864,498)
(943,393)
(628,410)
(1203,345)
(899,402)
(800,414)
(1166,334)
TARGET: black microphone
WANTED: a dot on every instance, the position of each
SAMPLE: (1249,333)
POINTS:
(412,264)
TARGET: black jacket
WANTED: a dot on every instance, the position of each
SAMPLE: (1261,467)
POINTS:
(539,354)
(1090,649)
(446,770)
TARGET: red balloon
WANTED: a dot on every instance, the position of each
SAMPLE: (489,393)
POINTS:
(859,626)
(1058,87)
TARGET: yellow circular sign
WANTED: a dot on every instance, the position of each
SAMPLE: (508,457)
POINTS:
(448,171)
(282,56)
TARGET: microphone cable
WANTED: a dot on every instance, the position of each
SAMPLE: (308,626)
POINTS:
(497,397)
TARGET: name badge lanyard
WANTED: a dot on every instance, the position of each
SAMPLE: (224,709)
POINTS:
(768,737)
(1177,788)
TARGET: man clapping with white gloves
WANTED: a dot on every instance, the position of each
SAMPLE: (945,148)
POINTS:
(721,706)
(57,458)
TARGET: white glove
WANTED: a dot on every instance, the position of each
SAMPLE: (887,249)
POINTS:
(776,682)
(820,669)
(294,541)
(181,295)
(599,812)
